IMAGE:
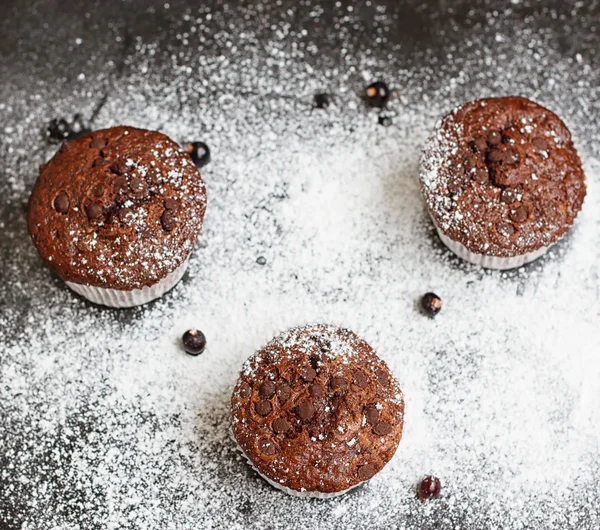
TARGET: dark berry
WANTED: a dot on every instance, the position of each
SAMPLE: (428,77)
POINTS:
(431,304)
(78,126)
(386,121)
(58,130)
(428,488)
(261,260)
(194,342)
(377,94)
(322,100)
(199,152)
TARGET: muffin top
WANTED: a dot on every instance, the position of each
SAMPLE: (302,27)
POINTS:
(317,410)
(118,208)
(502,177)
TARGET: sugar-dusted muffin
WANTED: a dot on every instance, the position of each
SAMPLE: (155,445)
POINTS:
(317,412)
(502,181)
(116,212)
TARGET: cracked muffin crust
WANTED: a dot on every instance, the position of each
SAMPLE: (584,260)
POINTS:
(119,208)
(502,178)
(316,411)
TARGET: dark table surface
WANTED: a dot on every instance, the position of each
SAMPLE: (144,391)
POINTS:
(76,439)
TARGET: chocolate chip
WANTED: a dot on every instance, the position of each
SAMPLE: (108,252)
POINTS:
(168,220)
(471,162)
(508,196)
(307,373)
(366,472)
(518,215)
(155,176)
(138,185)
(511,156)
(481,175)
(480,144)
(338,383)
(98,190)
(494,138)
(266,447)
(263,407)
(317,390)
(382,376)
(314,359)
(283,392)
(495,155)
(94,211)
(99,162)
(372,414)
(61,202)
(305,411)
(267,390)
(505,229)
(119,167)
(360,379)
(540,144)
(382,428)
(281,426)
(124,214)
(120,183)
(172,204)
(245,390)
(454,186)
(98,143)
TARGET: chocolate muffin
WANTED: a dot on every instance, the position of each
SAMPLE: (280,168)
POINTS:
(502,181)
(317,412)
(116,212)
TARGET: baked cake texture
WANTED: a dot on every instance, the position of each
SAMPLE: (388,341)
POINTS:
(502,178)
(316,411)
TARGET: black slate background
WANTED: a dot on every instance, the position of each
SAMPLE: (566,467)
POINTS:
(37,56)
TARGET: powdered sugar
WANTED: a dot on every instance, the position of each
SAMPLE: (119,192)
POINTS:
(107,423)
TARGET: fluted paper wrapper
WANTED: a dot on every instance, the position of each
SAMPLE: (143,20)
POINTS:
(135,297)
(489,262)
(289,491)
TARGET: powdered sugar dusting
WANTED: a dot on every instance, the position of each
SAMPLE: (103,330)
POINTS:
(107,423)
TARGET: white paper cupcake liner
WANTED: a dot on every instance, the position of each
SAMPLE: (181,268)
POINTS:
(490,262)
(295,493)
(117,298)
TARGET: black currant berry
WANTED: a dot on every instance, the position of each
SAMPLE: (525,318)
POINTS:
(428,488)
(322,100)
(58,130)
(377,94)
(194,342)
(431,304)
(386,121)
(199,152)
(78,127)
